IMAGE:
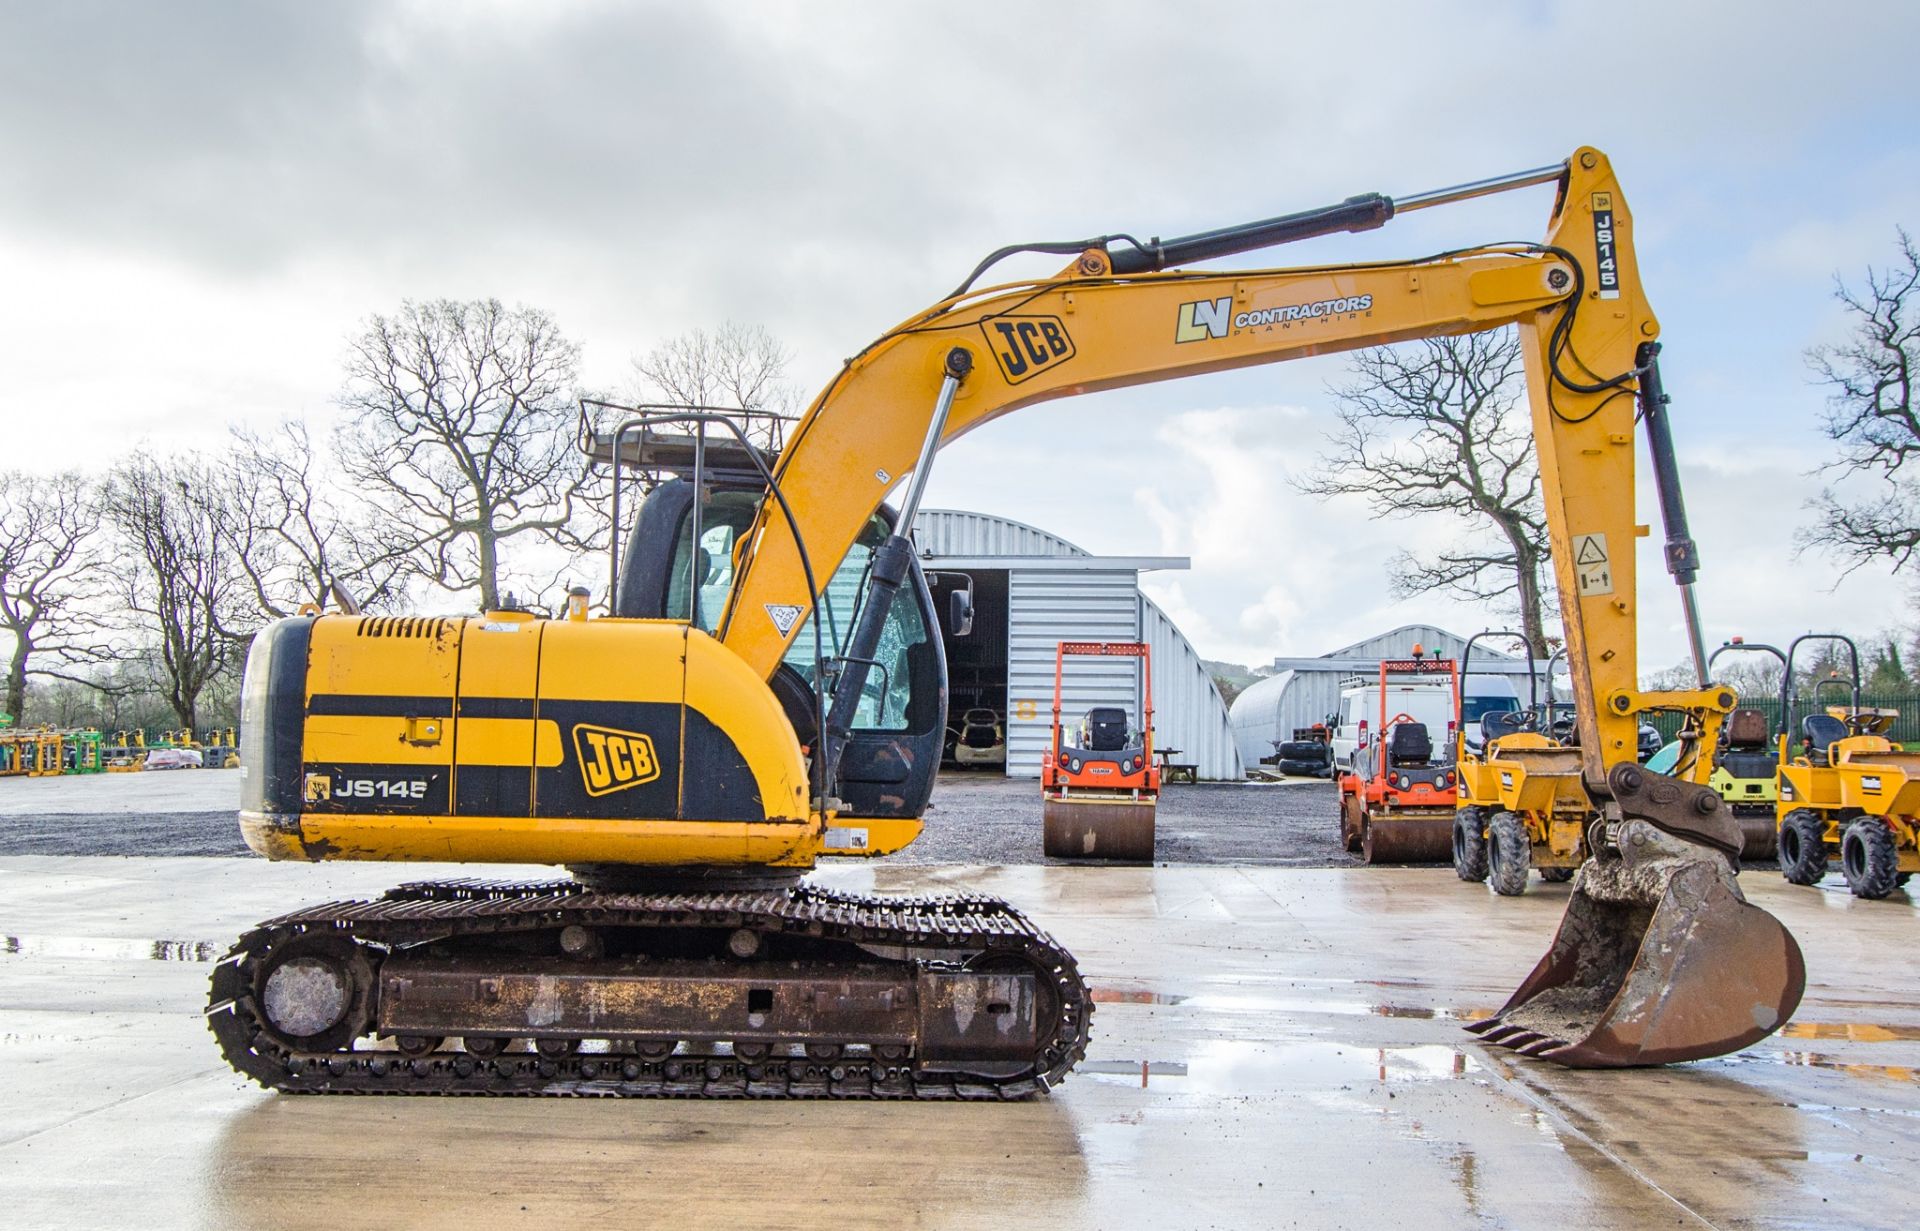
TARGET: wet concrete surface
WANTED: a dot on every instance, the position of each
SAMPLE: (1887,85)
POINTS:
(1273,1047)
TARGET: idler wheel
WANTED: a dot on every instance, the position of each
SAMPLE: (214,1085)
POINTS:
(314,992)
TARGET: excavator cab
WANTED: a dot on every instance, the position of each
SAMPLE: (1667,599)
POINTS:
(893,755)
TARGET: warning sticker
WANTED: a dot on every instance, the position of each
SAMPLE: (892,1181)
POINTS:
(1592,570)
(784,615)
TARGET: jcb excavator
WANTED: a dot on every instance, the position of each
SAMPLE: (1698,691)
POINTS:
(769,691)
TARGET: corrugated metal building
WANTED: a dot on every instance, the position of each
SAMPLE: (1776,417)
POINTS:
(1033,590)
(1303,691)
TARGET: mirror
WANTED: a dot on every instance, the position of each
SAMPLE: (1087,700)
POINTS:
(960,612)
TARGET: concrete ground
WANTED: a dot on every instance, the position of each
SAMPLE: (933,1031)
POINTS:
(1274,1047)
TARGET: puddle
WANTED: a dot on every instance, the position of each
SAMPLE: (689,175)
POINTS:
(1821,1060)
(1852,1032)
(1132,995)
(1829,1109)
(1442,1014)
(1143,1070)
(108,949)
(1269,1001)
(1885,1072)
(1232,1067)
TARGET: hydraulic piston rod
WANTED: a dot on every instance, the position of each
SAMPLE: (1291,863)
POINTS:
(1362,213)
(1683,555)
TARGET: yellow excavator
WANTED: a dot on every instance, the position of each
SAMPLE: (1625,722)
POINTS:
(769,689)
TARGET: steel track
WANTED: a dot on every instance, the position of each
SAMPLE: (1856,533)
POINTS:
(927,928)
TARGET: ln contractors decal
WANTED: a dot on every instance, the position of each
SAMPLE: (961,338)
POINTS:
(1025,346)
(1209,319)
(613,760)
(1603,243)
(1204,319)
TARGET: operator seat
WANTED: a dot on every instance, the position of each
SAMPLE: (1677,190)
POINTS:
(1104,729)
(1493,726)
(1409,744)
(1821,732)
(1747,729)
(1747,753)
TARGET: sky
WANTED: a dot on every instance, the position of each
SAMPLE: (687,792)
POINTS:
(200,202)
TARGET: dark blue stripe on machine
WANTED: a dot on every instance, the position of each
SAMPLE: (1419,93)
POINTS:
(347,705)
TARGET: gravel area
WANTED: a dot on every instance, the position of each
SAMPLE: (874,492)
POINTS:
(974,819)
(994,820)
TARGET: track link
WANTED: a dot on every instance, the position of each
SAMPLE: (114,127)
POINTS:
(945,930)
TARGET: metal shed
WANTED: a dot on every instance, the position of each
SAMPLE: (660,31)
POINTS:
(1303,691)
(1033,590)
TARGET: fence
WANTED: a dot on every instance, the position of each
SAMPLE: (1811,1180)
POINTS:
(1906,729)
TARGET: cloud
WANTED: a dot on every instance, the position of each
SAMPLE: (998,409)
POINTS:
(198,201)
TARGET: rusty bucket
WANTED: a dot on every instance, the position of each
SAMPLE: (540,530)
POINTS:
(1659,959)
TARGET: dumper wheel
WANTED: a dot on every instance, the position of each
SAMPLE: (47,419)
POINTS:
(1556,876)
(1469,845)
(1803,847)
(1868,858)
(1508,852)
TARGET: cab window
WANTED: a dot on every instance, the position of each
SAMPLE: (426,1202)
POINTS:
(726,516)
(889,688)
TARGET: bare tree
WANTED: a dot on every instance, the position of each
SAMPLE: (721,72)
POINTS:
(49,577)
(1437,427)
(735,365)
(461,436)
(295,535)
(178,576)
(1871,416)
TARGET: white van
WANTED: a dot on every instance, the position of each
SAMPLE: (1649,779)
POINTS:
(1428,701)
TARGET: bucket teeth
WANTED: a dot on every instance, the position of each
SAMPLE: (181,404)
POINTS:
(1543,1046)
(1486,1026)
(1499,1033)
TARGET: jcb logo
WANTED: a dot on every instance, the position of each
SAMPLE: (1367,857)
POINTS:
(1203,319)
(1027,345)
(612,760)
